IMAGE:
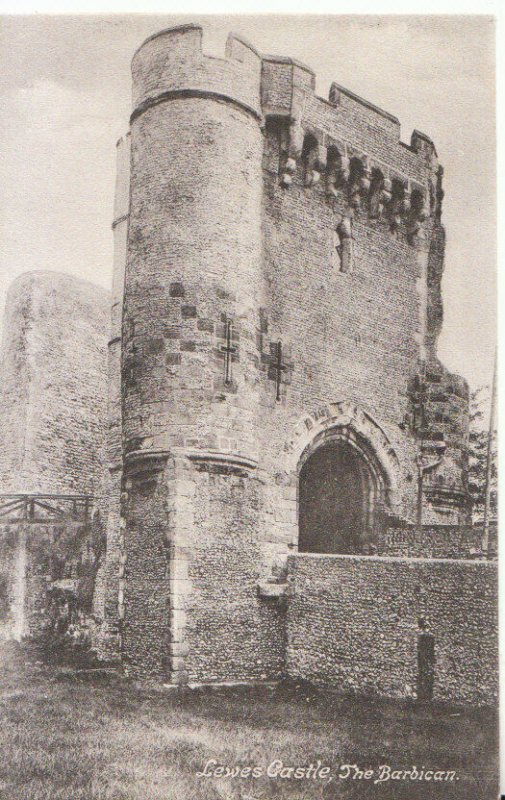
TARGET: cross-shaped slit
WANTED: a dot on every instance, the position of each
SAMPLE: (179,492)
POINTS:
(228,350)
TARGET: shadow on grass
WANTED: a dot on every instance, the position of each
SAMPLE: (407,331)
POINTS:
(69,734)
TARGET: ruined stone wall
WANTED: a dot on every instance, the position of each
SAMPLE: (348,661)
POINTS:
(53,386)
(353,623)
(52,397)
(14,387)
(439,416)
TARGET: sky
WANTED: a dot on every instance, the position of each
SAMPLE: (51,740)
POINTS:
(65,100)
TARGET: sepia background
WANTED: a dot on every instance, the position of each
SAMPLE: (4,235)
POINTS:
(65,100)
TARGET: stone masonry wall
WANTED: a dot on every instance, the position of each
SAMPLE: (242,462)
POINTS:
(144,598)
(193,265)
(352,335)
(231,633)
(353,623)
(349,336)
(109,644)
(193,261)
(53,386)
(351,275)
(52,400)
(430,541)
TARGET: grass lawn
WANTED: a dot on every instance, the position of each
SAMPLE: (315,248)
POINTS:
(67,736)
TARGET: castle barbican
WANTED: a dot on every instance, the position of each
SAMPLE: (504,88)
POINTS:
(264,474)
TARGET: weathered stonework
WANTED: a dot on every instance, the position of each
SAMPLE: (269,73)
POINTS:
(355,623)
(274,387)
(53,389)
(54,384)
(281,295)
(52,549)
(109,642)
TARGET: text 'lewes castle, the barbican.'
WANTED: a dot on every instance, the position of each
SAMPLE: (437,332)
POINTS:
(266,475)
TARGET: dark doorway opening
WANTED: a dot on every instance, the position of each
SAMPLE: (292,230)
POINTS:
(425,666)
(334,500)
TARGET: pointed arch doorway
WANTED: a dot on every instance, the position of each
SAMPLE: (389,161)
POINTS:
(339,489)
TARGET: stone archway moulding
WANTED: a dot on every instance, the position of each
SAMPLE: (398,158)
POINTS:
(344,418)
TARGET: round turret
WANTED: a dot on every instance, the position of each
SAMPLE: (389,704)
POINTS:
(194,248)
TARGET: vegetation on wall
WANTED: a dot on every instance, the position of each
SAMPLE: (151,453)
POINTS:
(478,455)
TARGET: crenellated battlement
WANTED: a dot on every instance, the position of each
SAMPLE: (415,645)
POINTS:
(344,143)
(354,185)
(351,151)
(171,64)
(344,120)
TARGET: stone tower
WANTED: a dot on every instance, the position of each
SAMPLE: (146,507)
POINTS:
(53,386)
(279,380)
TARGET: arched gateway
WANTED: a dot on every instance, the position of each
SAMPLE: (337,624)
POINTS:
(346,477)
(338,498)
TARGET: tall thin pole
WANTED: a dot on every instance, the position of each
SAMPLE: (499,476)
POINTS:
(420,479)
(489,463)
